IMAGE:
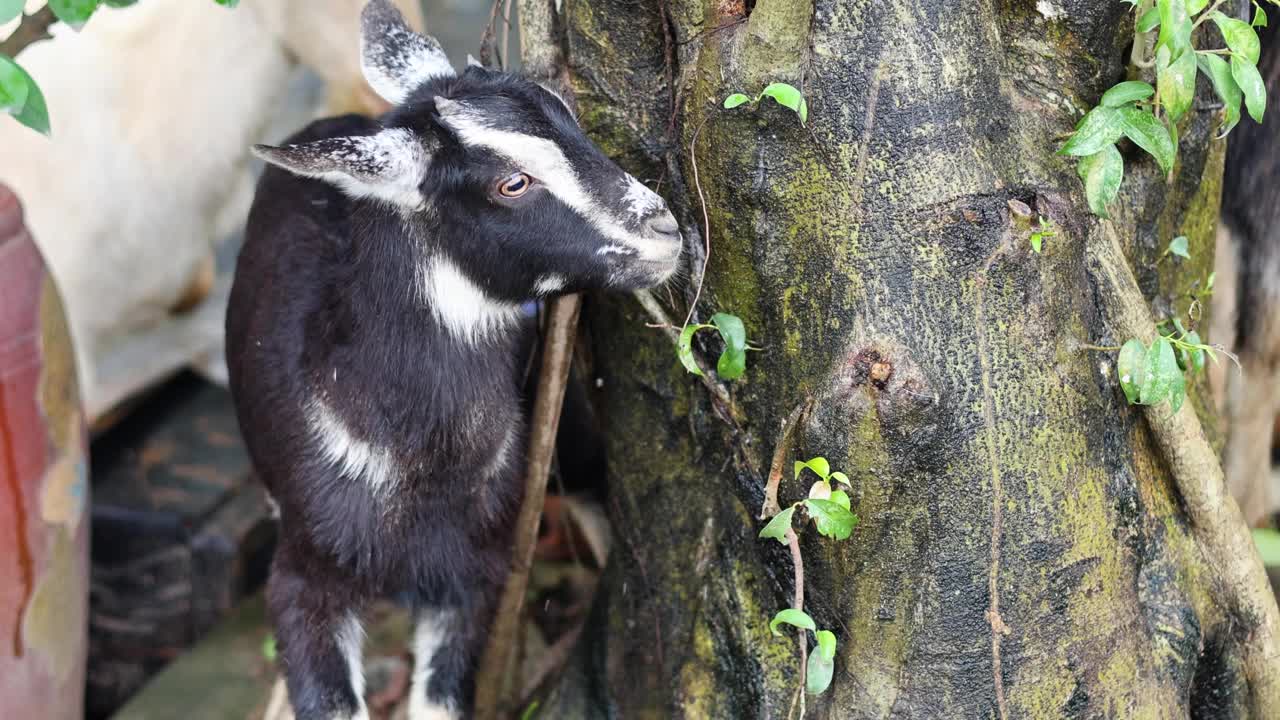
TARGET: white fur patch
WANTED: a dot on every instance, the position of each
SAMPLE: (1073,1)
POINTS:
(388,166)
(641,201)
(395,59)
(544,160)
(461,305)
(350,640)
(548,284)
(500,458)
(354,458)
(428,638)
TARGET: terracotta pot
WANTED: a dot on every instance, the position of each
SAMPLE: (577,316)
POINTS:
(44,533)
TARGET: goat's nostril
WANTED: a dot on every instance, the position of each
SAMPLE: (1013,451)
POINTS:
(664,224)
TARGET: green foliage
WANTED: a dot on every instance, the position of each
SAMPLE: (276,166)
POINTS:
(779,525)
(733,360)
(832,520)
(1148,116)
(830,511)
(1046,231)
(1268,543)
(532,710)
(782,93)
(269,648)
(1155,374)
(791,616)
(1178,246)
(21,97)
(74,12)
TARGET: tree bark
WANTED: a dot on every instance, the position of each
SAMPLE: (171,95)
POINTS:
(1023,551)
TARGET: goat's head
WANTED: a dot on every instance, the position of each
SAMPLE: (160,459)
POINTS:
(491,173)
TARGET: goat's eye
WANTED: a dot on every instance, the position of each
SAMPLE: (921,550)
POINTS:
(515,185)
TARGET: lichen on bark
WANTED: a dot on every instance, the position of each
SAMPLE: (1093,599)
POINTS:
(998,454)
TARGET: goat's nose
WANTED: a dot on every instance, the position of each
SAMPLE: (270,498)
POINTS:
(664,225)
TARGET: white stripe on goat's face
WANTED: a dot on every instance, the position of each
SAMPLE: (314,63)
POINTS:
(546,161)
(460,305)
(354,459)
(429,635)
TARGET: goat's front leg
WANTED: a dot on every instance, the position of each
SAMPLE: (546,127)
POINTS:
(447,645)
(319,638)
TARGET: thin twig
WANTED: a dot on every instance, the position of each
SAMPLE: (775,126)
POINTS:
(32,29)
(797,563)
(706,221)
(781,449)
(506,33)
(557,355)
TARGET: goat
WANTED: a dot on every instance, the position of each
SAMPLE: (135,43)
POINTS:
(127,232)
(372,337)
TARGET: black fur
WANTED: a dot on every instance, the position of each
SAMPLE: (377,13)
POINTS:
(324,307)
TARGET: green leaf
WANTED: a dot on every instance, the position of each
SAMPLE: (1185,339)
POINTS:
(1160,373)
(269,648)
(1208,284)
(827,644)
(531,711)
(10,9)
(228,3)
(1225,86)
(1194,358)
(787,96)
(1178,246)
(1100,128)
(1177,81)
(119,3)
(1150,134)
(14,87)
(841,477)
(1130,369)
(778,526)
(1175,26)
(1195,6)
(733,361)
(1240,36)
(1149,21)
(1127,92)
(1102,174)
(819,465)
(1259,17)
(74,12)
(684,348)
(735,100)
(1268,543)
(832,520)
(840,498)
(819,672)
(791,616)
(33,113)
(1250,82)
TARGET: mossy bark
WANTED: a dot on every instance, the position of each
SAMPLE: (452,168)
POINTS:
(1000,477)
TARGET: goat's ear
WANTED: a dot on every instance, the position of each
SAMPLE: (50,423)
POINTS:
(394,58)
(388,166)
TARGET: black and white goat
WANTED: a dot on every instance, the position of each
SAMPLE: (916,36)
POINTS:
(372,343)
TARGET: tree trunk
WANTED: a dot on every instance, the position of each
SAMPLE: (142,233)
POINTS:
(880,256)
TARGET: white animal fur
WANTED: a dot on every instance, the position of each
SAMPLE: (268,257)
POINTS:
(461,305)
(153,109)
(350,640)
(355,459)
(428,638)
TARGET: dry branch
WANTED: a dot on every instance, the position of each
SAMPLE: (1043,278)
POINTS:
(1216,522)
(32,29)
